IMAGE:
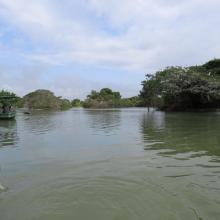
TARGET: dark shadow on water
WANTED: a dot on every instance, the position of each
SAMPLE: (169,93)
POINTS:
(41,122)
(8,133)
(196,133)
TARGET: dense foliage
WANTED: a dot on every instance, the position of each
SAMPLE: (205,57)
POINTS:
(106,98)
(177,88)
(213,66)
(135,101)
(45,99)
(65,104)
(10,98)
(105,94)
(76,103)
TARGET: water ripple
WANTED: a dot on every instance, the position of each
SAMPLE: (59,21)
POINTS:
(8,133)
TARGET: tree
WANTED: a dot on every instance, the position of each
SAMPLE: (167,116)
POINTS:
(65,104)
(149,90)
(45,99)
(7,97)
(177,88)
(213,66)
(76,103)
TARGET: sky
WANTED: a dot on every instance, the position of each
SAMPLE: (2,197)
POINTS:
(73,46)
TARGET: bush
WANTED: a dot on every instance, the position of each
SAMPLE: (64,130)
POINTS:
(45,99)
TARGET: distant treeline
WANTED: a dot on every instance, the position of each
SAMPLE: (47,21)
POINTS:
(45,99)
(174,88)
(40,99)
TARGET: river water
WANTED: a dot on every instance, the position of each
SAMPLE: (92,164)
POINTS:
(113,164)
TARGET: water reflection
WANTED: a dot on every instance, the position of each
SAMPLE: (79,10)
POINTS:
(104,121)
(69,162)
(182,132)
(40,122)
(8,133)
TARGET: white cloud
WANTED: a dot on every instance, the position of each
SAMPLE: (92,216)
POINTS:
(28,78)
(135,35)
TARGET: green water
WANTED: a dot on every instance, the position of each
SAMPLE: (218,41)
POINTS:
(124,164)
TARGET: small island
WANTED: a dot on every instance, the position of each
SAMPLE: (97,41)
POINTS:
(106,98)
(45,99)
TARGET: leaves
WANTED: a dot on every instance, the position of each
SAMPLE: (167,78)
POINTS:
(181,88)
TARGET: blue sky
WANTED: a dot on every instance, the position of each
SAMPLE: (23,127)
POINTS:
(72,47)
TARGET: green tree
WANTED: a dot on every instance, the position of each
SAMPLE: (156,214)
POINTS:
(213,66)
(10,98)
(45,99)
(65,104)
(177,88)
(76,103)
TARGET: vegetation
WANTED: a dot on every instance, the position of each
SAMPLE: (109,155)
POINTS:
(106,98)
(135,101)
(213,66)
(65,104)
(45,99)
(13,98)
(177,88)
(76,103)
(4,93)
(174,88)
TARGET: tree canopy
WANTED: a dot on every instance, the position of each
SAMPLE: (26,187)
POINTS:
(7,97)
(106,98)
(179,88)
(104,94)
(76,103)
(45,99)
